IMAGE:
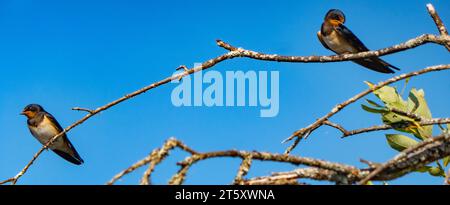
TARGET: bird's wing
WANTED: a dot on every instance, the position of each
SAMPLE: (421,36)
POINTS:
(374,63)
(70,154)
(351,38)
(319,35)
(54,122)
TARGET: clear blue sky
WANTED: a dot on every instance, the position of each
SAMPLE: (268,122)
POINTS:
(64,54)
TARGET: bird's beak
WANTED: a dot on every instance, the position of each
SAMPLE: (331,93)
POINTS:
(335,22)
(23,113)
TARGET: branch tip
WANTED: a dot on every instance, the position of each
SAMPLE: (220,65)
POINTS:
(83,109)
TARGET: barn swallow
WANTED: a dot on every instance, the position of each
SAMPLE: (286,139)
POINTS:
(43,126)
(336,37)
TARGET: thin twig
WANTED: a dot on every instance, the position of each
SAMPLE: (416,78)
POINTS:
(130,169)
(7,181)
(438,21)
(425,122)
(83,109)
(346,133)
(337,126)
(447,178)
(406,114)
(161,154)
(243,170)
(155,157)
(371,164)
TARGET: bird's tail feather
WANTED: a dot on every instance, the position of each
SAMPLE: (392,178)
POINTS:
(75,158)
(389,65)
(376,64)
(70,154)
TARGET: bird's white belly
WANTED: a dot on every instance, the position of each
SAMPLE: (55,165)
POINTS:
(44,132)
(338,44)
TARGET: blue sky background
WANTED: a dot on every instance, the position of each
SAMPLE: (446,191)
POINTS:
(63,54)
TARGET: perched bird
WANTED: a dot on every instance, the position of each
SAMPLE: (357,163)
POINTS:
(336,37)
(43,126)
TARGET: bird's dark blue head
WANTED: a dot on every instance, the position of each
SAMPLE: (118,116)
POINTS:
(31,110)
(335,16)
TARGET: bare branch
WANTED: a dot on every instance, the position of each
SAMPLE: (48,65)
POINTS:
(415,42)
(438,21)
(243,170)
(10,180)
(418,119)
(159,155)
(423,153)
(261,156)
(130,169)
(83,109)
(406,114)
(424,122)
(303,173)
(155,157)
(337,126)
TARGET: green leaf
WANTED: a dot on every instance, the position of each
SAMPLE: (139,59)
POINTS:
(400,142)
(418,105)
(371,85)
(446,161)
(407,81)
(423,169)
(391,98)
(373,103)
(437,172)
(373,110)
